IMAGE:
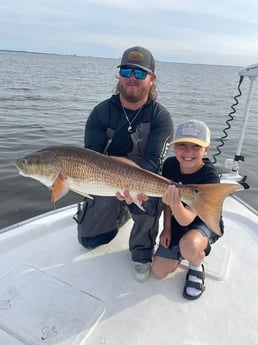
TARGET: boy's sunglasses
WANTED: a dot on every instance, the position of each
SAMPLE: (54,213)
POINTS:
(138,73)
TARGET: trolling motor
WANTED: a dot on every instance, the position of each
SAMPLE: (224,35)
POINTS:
(252,73)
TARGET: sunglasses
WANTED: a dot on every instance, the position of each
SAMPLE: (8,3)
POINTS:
(138,73)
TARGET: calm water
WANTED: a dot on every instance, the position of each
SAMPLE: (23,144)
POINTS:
(46,99)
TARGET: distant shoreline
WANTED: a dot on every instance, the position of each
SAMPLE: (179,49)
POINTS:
(99,57)
(55,54)
(32,52)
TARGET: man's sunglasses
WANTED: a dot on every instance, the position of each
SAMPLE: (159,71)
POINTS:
(138,73)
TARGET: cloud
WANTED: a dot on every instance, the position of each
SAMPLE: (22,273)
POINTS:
(186,31)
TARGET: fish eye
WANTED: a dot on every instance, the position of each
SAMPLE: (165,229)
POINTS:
(24,161)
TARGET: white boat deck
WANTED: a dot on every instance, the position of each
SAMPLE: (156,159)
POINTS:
(55,292)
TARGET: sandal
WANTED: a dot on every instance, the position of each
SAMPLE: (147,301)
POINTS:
(198,286)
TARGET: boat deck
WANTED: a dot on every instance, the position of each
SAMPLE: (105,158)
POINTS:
(53,291)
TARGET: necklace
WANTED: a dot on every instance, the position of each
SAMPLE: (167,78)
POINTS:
(130,123)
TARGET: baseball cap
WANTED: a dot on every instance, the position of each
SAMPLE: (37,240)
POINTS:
(138,57)
(193,131)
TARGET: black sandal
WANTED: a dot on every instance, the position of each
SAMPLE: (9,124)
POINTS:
(189,283)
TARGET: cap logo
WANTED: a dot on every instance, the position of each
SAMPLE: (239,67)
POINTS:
(190,129)
(135,56)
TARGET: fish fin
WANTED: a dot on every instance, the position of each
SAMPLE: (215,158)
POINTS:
(135,200)
(140,206)
(59,188)
(209,202)
(83,194)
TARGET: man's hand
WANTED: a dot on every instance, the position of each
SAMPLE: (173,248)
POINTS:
(127,198)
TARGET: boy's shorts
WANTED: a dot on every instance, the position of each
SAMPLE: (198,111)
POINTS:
(173,252)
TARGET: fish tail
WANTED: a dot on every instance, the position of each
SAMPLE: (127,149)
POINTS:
(209,202)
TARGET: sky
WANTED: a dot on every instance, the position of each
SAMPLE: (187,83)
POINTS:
(221,32)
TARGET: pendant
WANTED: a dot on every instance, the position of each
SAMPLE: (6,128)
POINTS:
(130,129)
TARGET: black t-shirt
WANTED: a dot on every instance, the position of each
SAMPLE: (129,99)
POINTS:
(207,174)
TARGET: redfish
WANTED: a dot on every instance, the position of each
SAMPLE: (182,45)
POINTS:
(86,172)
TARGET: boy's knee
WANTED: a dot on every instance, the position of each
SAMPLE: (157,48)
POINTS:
(158,274)
(161,269)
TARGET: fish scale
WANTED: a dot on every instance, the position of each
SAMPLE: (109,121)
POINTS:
(99,166)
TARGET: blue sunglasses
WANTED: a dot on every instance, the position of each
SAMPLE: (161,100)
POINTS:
(138,73)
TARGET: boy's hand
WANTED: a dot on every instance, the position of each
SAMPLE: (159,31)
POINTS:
(165,238)
(171,196)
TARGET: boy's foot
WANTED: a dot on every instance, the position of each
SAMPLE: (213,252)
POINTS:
(141,271)
(194,284)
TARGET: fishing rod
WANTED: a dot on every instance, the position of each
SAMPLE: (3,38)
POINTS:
(250,72)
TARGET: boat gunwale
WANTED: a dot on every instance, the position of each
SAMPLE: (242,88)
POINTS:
(66,208)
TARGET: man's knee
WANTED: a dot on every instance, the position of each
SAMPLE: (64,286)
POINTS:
(97,220)
(95,241)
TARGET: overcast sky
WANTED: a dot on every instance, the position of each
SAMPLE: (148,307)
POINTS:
(193,31)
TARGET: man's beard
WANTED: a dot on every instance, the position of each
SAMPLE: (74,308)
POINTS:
(133,97)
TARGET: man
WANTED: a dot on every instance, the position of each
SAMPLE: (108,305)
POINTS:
(130,124)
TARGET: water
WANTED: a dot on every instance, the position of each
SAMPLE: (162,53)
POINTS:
(46,99)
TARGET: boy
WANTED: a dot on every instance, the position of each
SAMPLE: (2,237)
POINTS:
(185,236)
